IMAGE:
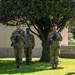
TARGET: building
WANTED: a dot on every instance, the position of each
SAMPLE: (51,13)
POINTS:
(7,51)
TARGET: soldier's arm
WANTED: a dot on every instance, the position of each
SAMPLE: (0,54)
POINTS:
(23,36)
(59,37)
(50,37)
(12,37)
(33,41)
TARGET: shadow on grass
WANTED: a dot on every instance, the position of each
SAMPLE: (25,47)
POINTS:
(71,73)
(8,67)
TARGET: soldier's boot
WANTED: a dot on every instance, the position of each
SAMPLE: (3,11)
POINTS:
(17,66)
(27,62)
(17,63)
(20,61)
(53,66)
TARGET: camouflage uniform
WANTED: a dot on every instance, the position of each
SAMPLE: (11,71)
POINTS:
(54,48)
(18,46)
(29,45)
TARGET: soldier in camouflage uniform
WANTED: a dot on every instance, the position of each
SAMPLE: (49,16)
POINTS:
(18,38)
(53,38)
(29,45)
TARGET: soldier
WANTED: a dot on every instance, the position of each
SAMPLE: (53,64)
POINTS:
(53,38)
(29,45)
(17,39)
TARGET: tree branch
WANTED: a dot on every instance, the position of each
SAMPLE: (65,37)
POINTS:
(63,22)
(30,28)
(32,22)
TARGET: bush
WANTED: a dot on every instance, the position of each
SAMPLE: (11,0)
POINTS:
(71,40)
(70,35)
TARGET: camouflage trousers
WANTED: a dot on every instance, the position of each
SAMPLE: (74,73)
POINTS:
(28,54)
(54,52)
(18,55)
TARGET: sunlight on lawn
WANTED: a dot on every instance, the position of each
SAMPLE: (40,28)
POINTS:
(66,67)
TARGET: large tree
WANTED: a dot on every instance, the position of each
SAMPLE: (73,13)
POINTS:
(41,14)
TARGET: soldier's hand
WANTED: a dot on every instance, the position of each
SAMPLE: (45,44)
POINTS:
(32,47)
(57,33)
(50,39)
(18,35)
(13,41)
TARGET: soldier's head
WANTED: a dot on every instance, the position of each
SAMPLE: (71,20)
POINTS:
(18,25)
(54,26)
(27,30)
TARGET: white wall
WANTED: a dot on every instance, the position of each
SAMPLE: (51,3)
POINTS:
(5,33)
(64,34)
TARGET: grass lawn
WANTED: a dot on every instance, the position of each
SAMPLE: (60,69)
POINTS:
(66,67)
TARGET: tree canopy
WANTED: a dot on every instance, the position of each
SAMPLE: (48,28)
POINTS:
(38,11)
(41,14)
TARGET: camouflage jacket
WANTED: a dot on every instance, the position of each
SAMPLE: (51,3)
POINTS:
(20,39)
(29,41)
(54,37)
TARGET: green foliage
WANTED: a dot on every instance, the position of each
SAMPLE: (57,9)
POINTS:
(37,9)
(70,35)
(66,66)
(40,13)
(11,9)
(71,40)
(72,30)
(72,23)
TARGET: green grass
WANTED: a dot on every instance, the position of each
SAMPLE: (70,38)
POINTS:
(66,67)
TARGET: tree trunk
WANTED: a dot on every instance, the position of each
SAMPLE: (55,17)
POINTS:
(45,52)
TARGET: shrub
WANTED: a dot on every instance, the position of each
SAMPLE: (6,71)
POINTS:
(71,40)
